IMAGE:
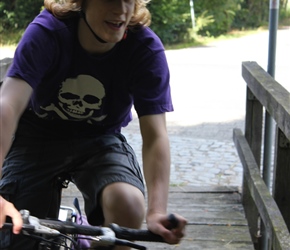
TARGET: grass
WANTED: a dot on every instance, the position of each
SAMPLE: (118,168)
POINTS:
(10,38)
(203,41)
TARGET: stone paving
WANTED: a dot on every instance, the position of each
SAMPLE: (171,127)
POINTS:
(196,161)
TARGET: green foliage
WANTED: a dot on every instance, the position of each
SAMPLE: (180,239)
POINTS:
(170,20)
(251,14)
(221,11)
(17,14)
(284,16)
(10,37)
(203,20)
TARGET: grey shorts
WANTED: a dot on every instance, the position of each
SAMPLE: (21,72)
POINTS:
(33,165)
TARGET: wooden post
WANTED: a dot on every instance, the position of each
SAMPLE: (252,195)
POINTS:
(264,202)
(275,99)
(254,125)
(253,135)
(281,180)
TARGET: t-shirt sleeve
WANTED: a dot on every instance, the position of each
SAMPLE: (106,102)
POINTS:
(152,94)
(33,56)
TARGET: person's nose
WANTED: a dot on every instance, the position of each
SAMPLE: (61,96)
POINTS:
(120,7)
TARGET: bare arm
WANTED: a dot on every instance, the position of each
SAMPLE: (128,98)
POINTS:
(156,164)
(156,161)
(14,96)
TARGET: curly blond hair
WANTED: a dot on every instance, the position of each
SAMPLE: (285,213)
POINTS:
(68,8)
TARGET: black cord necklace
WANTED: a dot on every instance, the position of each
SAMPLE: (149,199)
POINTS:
(82,15)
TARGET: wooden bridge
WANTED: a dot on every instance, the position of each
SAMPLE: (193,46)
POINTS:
(226,217)
(216,218)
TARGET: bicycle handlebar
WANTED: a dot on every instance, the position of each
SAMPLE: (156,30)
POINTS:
(135,234)
(120,232)
(113,234)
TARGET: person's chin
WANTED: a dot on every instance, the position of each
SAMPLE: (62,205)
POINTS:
(114,39)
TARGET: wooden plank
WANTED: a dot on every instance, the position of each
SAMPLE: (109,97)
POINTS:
(254,125)
(274,97)
(251,212)
(192,244)
(208,211)
(198,214)
(204,189)
(211,237)
(268,209)
(253,135)
(216,218)
(209,198)
(281,190)
(218,233)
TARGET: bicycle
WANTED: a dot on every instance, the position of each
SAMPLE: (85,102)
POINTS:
(66,234)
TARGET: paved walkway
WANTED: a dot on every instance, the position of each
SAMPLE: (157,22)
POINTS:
(209,96)
(197,161)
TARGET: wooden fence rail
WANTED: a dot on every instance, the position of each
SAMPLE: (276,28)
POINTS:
(268,214)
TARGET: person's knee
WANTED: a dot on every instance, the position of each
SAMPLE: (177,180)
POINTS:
(123,204)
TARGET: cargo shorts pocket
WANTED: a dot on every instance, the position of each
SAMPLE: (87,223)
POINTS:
(8,188)
(5,239)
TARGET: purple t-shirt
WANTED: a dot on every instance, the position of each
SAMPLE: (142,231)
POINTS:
(89,94)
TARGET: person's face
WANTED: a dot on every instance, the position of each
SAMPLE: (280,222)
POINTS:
(109,18)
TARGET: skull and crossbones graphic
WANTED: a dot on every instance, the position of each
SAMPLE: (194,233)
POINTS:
(79,98)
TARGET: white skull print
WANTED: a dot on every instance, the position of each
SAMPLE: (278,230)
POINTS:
(79,99)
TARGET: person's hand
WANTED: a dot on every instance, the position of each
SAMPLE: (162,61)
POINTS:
(8,209)
(159,224)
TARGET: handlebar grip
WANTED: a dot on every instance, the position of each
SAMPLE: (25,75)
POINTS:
(135,234)
(142,234)
(173,221)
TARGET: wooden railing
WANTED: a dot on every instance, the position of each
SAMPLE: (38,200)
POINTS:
(268,214)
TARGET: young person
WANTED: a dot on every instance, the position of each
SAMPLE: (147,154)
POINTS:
(79,68)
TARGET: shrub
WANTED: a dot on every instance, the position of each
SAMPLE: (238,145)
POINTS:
(17,14)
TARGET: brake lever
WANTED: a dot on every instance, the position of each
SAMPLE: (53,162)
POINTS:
(31,224)
(107,238)
(38,228)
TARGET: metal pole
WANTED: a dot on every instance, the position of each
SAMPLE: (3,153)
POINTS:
(192,13)
(269,122)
